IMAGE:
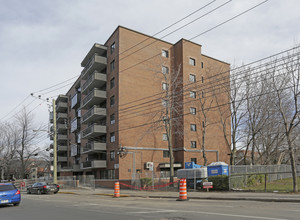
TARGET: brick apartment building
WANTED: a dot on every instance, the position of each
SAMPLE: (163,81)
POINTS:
(119,102)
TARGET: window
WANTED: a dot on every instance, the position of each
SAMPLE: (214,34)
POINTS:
(112,119)
(202,65)
(192,110)
(165,70)
(112,47)
(202,79)
(164,103)
(112,137)
(112,83)
(194,160)
(166,153)
(203,125)
(112,65)
(112,155)
(192,62)
(165,86)
(165,53)
(165,137)
(193,144)
(112,101)
(192,78)
(193,127)
(202,92)
(192,94)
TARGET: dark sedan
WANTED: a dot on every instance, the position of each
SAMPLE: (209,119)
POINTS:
(42,188)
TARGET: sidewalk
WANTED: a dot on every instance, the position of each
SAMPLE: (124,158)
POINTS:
(250,196)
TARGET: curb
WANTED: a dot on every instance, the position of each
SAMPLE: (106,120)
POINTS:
(73,193)
(193,197)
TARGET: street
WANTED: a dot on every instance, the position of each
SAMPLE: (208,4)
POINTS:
(85,207)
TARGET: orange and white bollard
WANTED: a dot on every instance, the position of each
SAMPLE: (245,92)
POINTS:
(117,190)
(182,190)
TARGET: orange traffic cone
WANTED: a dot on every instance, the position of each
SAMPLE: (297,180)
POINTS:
(182,190)
(117,190)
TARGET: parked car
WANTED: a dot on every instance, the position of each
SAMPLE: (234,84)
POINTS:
(9,194)
(43,188)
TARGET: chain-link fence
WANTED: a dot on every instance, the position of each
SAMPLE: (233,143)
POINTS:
(247,176)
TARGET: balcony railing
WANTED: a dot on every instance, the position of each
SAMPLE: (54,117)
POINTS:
(94,147)
(93,164)
(61,106)
(96,62)
(93,114)
(62,137)
(62,148)
(62,116)
(94,130)
(61,127)
(95,80)
(62,159)
(94,97)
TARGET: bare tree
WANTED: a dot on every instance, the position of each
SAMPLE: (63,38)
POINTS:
(232,113)
(286,84)
(24,122)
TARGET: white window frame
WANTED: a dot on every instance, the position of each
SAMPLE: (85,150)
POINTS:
(112,137)
(164,137)
(193,94)
(192,78)
(192,61)
(193,110)
(165,53)
(193,127)
(112,121)
(193,144)
(112,47)
(165,86)
(165,70)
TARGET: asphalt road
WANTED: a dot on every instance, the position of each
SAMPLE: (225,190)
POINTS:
(86,207)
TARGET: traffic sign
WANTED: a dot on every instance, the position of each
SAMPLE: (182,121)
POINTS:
(207,185)
(22,184)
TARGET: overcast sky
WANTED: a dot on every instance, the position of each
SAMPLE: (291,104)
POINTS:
(42,42)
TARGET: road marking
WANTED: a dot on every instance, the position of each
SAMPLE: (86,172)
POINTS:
(158,211)
(208,213)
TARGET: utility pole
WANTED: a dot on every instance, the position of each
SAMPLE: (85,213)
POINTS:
(54,144)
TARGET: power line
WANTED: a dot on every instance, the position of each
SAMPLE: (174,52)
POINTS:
(203,87)
(15,107)
(132,46)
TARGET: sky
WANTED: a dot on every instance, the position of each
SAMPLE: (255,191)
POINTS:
(42,42)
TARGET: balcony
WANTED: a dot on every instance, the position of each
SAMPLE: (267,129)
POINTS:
(94,147)
(61,106)
(93,98)
(62,148)
(62,98)
(62,137)
(61,127)
(93,164)
(62,159)
(94,114)
(96,80)
(61,117)
(96,62)
(76,167)
(93,131)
